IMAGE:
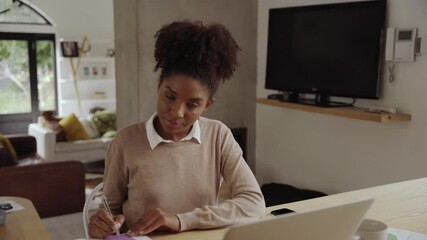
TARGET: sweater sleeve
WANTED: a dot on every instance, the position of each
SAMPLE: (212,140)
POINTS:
(246,202)
(115,178)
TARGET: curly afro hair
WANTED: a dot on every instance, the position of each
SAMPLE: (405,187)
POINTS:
(207,53)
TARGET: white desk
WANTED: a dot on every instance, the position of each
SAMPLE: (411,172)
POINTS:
(400,205)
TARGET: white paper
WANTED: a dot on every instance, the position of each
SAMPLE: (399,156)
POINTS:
(15,206)
(400,234)
(135,238)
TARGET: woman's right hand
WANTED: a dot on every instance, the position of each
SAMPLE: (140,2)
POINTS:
(101,224)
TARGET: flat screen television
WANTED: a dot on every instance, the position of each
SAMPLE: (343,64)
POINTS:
(326,50)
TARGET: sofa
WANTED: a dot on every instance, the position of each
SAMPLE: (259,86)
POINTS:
(51,148)
(55,188)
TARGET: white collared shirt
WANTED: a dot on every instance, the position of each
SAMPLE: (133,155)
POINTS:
(155,139)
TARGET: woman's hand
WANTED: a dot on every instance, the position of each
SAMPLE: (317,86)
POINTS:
(101,224)
(155,219)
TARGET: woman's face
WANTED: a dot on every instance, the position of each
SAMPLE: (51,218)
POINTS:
(181,100)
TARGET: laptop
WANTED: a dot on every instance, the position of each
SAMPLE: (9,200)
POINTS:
(338,222)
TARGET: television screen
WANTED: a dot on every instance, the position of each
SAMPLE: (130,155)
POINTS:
(330,50)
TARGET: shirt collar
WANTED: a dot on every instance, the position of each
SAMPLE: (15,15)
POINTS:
(155,139)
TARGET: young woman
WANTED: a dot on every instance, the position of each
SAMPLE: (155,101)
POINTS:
(166,173)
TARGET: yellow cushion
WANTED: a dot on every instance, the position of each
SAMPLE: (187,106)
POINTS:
(8,154)
(74,130)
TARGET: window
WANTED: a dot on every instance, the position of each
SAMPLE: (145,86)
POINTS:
(27,65)
(27,78)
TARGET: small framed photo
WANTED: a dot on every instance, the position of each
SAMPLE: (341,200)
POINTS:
(86,71)
(95,71)
(104,71)
(70,49)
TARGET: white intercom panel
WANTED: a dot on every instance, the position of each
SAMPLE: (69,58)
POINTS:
(400,45)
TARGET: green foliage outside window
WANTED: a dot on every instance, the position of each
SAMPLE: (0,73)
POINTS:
(15,92)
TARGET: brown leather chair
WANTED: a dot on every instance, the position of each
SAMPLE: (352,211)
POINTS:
(55,188)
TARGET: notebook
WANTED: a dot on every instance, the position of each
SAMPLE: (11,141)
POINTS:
(338,222)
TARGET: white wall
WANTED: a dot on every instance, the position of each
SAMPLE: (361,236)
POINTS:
(136,23)
(78,18)
(324,152)
(73,21)
(334,154)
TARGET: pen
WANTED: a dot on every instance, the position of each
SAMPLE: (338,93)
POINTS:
(104,201)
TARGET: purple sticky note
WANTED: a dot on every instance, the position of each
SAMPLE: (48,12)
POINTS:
(122,236)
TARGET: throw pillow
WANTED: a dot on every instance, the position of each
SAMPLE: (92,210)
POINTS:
(105,121)
(109,134)
(90,128)
(74,130)
(8,155)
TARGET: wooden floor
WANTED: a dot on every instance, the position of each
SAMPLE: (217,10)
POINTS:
(95,167)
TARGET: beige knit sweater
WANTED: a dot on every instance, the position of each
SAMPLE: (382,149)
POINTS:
(181,177)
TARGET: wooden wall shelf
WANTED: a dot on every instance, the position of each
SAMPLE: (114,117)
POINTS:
(349,112)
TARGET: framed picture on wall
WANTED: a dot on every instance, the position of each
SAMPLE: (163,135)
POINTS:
(69,49)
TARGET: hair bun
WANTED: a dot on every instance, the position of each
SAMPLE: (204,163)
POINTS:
(208,53)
